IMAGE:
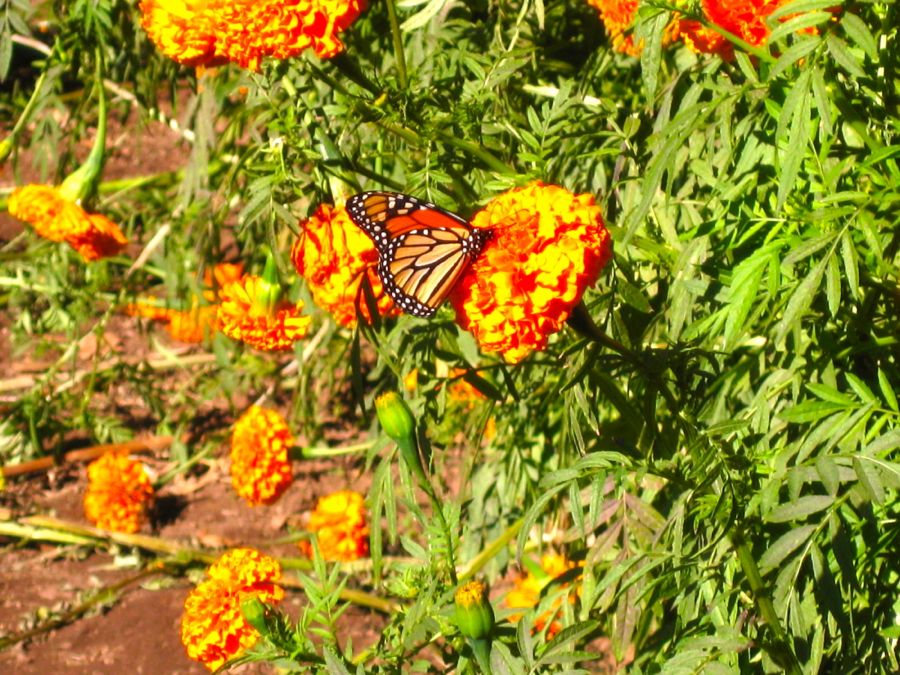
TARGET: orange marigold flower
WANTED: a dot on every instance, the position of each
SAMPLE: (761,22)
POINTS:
(214,32)
(119,493)
(260,456)
(58,219)
(527,590)
(339,523)
(218,276)
(242,316)
(548,247)
(462,391)
(191,325)
(213,629)
(746,19)
(333,255)
(618,18)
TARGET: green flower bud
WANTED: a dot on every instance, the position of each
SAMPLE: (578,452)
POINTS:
(268,292)
(254,612)
(474,613)
(395,417)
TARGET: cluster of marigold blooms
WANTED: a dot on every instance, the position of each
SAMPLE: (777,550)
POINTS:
(745,19)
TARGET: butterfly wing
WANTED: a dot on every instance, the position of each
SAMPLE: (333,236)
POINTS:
(423,250)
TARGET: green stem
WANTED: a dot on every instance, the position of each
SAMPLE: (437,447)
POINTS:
(319,452)
(491,550)
(780,650)
(352,72)
(398,45)
(477,151)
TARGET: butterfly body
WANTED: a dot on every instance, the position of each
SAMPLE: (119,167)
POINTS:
(423,250)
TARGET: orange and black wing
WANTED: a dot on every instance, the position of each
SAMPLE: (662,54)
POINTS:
(423,250)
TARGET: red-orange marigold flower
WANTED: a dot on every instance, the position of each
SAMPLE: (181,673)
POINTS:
(333,255)
(242,316)
(549,245)
(56,218)
(213,629)
(213,32)
(119,493)
(526,591)
(746,19)
(339,523)
(260,456)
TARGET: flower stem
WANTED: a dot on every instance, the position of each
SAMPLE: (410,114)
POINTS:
(489,551)
(320,451)
(780,649)
(398,45)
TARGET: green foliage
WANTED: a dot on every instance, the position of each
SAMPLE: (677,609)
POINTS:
(728,474)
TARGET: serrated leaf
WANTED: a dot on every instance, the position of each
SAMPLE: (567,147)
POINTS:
(839,51)
(851,264)
(795,149)
(869,479)
(833,285)
(859,32)
(887,391)
(782,547)
(828,393)
(800,301)
(799,508)
(829,473)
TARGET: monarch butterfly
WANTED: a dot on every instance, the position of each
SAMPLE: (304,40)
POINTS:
(423,250)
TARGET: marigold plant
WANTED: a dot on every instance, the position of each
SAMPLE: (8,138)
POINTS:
(333,255)
(244,316)
(119,493)
(213,629)
(56,218)
(260,456)
(339,523)
(549,246)
(213,32)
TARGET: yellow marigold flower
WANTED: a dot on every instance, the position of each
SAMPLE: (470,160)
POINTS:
(339,523)
(58,219)
(549,245)
(213,629)
(242,316)
(119,493)
(333,255)
(214,32)
(260,456)
(527,589)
